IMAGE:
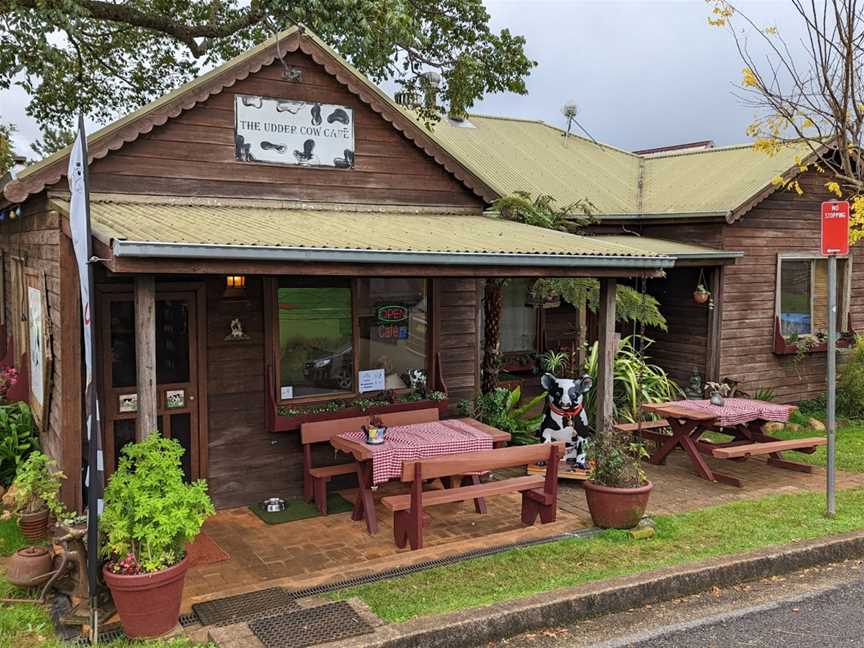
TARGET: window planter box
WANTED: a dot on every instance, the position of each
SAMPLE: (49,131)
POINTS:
(782,346)
(290,423)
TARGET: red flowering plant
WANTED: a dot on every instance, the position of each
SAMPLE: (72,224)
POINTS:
(128,566)
(8,379)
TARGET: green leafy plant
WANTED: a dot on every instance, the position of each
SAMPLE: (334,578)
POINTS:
(636,381)
(18,439)
(554,362)
(150,513)
(37,486)
(850,386)
(500,409)
(615,460)
(764,394)
(437,396)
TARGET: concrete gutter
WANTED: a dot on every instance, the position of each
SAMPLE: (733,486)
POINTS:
(477,626)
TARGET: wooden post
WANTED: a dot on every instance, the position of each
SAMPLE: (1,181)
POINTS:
(606,348)
(712,361)
(145,355)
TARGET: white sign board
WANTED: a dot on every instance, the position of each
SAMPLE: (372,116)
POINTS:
(297,133)
(37,326)
(371,380)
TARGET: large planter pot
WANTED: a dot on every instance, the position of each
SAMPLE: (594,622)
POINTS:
(34,526)
(616,508)
(148,604)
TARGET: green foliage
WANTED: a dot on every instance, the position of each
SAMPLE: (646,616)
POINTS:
(11,537)
(107,58)
(636,381)
(630,304)
(764,394)
(555,362)
(53,140)
(37,485)
(18,439)
(615,460)
(7,150)
(500,409)
(850,386)
(150,512)
(542,211)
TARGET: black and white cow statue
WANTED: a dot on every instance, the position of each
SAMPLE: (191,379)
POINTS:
(564,417)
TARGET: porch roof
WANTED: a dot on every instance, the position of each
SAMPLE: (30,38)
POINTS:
(276,231)
(681,252)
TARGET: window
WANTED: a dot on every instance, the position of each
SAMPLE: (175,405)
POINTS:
(518,317)
(802,295)
(328,330)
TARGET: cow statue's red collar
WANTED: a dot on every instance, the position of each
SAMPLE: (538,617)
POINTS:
(569,413)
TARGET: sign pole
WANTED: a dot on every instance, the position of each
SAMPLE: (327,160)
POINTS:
(835,240)
(832,384)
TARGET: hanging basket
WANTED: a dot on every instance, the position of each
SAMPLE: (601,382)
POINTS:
(701,296)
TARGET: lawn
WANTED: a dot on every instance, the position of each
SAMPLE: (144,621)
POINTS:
(25,624)
(721,530)
(850,445)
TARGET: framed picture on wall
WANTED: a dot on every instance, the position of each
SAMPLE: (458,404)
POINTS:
(39,355)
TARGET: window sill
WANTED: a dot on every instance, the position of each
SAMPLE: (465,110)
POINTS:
(782,346)
(281,423)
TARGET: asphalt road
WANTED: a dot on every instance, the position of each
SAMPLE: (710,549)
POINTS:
(821,607)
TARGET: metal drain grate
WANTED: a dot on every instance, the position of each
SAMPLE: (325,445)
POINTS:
(113,632)
(187,620)
(243,607)
(310,626)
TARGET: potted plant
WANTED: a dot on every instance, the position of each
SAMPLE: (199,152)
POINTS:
(35,494)
(150,515)
(701,294)
(617,488)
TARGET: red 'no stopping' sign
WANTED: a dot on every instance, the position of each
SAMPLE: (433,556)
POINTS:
(835,227)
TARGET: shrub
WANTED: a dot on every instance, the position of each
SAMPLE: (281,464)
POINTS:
(150,513)
(37,485)
(614,460)
(500,409)
(850,387)
(18,439)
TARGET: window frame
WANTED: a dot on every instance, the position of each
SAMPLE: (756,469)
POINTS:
(274,360)
(845,298)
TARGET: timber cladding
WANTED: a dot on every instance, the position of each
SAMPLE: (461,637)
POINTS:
(35,242)
(194,154)
(783,223)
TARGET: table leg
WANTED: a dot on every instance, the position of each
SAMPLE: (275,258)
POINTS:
(680,431)
(364,505)
(688,439)
(776,459)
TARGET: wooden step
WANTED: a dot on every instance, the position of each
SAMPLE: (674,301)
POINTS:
(332,471)
(446,496)
(749,449)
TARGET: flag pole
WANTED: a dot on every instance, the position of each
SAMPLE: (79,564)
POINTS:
(81,239)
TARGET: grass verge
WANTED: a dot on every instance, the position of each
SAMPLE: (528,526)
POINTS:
(850,445)
(716,531)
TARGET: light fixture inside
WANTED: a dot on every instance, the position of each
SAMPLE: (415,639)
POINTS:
(235,286)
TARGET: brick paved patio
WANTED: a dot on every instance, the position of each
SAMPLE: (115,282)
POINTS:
(325,549)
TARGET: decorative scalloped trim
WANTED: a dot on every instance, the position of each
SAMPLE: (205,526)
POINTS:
(18,191)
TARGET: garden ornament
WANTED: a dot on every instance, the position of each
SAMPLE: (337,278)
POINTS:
(564,416)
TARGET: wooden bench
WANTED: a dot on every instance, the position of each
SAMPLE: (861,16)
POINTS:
(539,494)
(807,445)
(315,478)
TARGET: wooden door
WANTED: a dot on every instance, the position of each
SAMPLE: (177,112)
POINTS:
(178,373)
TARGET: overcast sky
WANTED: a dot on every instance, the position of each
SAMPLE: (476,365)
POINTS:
(644,73)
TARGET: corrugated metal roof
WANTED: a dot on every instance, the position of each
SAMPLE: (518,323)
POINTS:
(177,228)
(668,248)
(516,154)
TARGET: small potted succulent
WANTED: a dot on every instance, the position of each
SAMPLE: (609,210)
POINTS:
(35,495)
(701,294)
(150,515)
(617,488)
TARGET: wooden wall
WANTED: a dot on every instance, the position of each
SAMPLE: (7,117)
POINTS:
(459,335)
(785,222)
(193,154)
(36,238)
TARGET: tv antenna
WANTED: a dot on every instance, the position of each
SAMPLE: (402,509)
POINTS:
(570,110)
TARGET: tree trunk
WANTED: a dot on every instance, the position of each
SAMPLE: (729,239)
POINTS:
(493,299)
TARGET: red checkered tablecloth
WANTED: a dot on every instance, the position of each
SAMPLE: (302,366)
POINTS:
(420,441)
(738,411)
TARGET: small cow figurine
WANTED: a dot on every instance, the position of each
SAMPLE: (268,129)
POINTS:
(564,417)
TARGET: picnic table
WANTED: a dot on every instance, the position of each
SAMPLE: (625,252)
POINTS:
(383,462)
(740,418)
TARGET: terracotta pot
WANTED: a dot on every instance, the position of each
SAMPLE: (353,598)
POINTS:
(148,604)
(30,567)
(616,508)
(701,297)
(34,526)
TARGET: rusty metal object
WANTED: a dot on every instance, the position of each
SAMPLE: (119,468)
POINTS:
(30,567)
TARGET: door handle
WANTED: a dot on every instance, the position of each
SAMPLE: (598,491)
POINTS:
(191,397)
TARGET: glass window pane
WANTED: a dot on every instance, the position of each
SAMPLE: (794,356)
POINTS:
(124,432)
(181,431)
(123,368)
(316,353)
(393,322)
(820,294)
(172,342)
(795,297)
(518,321)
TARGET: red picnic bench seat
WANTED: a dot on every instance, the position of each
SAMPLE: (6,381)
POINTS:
(315,478)
(807,445)
(539,493)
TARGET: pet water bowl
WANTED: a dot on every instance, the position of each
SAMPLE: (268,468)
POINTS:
(273,504)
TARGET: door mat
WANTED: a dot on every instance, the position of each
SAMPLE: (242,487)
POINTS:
(310,626)
(204,551)
(242,607)
(298,509)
